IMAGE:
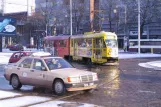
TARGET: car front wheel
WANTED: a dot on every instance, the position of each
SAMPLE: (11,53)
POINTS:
(15,82)
(58,87)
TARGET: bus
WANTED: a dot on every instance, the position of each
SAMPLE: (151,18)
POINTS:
(146,45)
(99,48)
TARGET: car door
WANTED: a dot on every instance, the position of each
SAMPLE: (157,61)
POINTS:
(38,72)
(24,70)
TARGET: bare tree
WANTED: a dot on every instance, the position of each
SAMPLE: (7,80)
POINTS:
(78,12)
(150,12)
(108,7)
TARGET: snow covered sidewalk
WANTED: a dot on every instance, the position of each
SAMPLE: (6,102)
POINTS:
(13,99)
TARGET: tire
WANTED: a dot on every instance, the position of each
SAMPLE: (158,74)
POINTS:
(15,82)
(70,58)
(89,62)
(58,87)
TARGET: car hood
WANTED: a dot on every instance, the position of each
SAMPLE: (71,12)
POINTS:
(71,72)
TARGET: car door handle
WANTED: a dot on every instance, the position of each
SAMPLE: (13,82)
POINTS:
(32,70)
(18,68)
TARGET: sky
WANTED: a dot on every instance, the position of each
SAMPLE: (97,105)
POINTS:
(12,6)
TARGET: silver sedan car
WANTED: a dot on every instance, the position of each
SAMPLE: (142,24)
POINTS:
(50,72)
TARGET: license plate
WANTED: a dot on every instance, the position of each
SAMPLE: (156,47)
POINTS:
(88,84)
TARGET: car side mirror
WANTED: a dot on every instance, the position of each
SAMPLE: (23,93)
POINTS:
(43,68)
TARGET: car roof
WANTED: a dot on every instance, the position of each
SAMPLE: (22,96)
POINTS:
(24,51)
(42,57)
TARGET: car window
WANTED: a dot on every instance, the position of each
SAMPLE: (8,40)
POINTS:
(26,63)
(22,54)
(38,65)
(57,63)
(16,55)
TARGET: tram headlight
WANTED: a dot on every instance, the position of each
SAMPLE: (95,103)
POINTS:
(109,52)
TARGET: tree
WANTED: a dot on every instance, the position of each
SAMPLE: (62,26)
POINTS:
(78,13)
(150,12)
(108,7)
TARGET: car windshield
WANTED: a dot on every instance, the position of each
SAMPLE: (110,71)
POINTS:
(57,63)
(111,43)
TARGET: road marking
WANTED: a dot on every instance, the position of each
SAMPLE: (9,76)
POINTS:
(142,91)
(149,71)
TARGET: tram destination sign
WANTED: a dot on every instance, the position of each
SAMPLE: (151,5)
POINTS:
(7,26)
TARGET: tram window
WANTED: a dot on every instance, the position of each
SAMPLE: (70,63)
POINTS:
(62,43)
(72,40)
(98,43)
(89,43)
(51,43)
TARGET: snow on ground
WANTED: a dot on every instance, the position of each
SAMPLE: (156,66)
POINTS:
(153,64)
(22,101)
(13,99)
(136,55)
(4,59)
(6,94)
(63,104)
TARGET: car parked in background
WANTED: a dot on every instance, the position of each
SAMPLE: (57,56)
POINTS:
(16,56)
(16,47)
(51,72)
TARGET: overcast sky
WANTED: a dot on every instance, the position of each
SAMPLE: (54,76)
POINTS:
(17,5)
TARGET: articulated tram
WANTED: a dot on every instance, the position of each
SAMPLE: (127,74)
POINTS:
(100,48)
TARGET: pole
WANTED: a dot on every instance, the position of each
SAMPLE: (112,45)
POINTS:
(46,22)
(125,18)
(1,44)
(27,7)
(71,27)
(139,26)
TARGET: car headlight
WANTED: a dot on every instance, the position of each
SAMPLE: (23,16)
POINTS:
(74,79)
(95,77)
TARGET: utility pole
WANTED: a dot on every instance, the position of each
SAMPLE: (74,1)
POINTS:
(91,13)
(1,38)
(46,22)
(71,21)
(139,26)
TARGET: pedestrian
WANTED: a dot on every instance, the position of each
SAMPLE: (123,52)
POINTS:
(125,44)
(128,44)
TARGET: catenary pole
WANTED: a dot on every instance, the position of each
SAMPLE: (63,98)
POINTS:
(139,26)
(71,27)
